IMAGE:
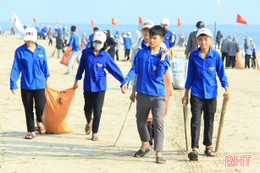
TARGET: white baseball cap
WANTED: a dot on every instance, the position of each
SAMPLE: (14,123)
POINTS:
(30,34)
(205,31)
(100,36)
(165,21)
(148,24)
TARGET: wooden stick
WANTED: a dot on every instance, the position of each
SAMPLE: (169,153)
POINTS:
(123,123)
(221,121)
(185,117)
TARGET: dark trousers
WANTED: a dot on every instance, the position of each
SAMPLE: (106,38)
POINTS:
(94,103)
(208,106)
(39,98)
(50,42)
(225,55)
(247,61)
(127,54)
(232,60)
(253,62)
(117,57)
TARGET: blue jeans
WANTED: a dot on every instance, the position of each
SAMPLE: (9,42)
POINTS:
(75,54)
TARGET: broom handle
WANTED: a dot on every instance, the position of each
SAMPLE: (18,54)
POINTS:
(123,123)
(221,121)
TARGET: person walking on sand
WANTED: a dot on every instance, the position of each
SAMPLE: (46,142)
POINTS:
(144,43)
(218,38)
(192,43)
(233,49)
(128,44)
(248,51)
(59,44)
(30,61)
(204,64)
(150,64)
(74,41)
(94,61)
(224,49)
(110,43)
(90,39)
(168,40)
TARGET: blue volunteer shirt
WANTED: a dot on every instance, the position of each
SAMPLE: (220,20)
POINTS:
(128,42)
(91,37)
(150,70)
(33,67)
(74,41)
(95,76)
(168,39)
(202,73)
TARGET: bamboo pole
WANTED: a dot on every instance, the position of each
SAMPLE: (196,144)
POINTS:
(185,118)
(123,123)
(221,122)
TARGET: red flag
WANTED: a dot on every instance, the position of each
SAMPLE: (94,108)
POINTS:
(34,20)
(219,6)
(92,23)
(179,22)
(114,22)
(241,20)
(10,19)
(57,23)
(140,20)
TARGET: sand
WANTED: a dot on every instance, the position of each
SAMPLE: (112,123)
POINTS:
(75,152)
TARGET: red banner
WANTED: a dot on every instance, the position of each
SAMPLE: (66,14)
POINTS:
(241,20)
(140,20)
(179,22)
(114,22)
(34,20)
(92,23)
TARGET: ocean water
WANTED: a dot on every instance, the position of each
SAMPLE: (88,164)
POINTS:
(252,31)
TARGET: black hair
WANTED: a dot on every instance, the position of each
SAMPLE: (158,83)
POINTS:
(95,29)
(157,30)
(73,28)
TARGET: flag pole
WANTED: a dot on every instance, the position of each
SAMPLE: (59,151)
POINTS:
(215,30)
(11,28)
(236,31)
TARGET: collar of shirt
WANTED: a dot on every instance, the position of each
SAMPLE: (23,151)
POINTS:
(209,55)
(143,45)
(37,47)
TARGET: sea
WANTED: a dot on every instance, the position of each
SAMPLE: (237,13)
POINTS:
(241,31)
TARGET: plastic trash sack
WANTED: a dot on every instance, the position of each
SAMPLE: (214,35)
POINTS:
(56,110)
(179,71)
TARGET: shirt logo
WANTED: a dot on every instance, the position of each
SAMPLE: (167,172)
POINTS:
(40,56)
(99,65)
(211,68)
(154,68)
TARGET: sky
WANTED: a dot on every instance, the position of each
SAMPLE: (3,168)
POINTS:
(128,11)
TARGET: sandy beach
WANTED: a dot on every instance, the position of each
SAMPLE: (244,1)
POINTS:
(75,152)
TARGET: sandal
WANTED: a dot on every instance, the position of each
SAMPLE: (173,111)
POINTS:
(29,136)
(193,156)
(95,138)
(87,129)
(160,160)
(42,129)
(209,152)
(141,153)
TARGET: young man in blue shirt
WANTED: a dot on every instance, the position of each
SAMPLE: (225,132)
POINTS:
(204,65)
(30,61)
(74,41)
(168,36)
(128,44)
(150,64)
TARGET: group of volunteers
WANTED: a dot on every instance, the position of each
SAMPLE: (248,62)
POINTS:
(151,79)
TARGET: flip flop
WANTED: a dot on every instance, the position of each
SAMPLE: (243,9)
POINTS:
(209,152)
(141,153)
(42,129)
(193,156)
(87,129)
(29,136)
(95,138)
(160,160)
